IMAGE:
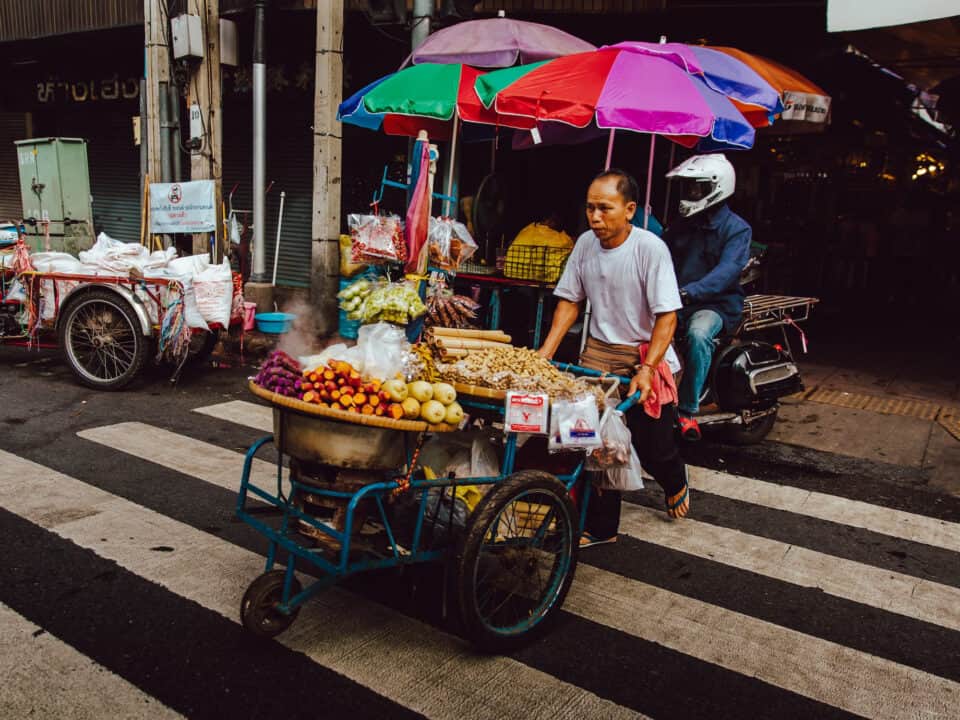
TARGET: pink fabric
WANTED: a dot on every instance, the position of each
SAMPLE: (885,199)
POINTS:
(663,388)
(418,214)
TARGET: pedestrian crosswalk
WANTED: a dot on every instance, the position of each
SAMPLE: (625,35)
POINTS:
(691,619)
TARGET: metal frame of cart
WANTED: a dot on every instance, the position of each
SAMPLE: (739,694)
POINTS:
(526,521)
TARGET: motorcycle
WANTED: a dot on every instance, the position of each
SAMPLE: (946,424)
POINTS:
(748,377)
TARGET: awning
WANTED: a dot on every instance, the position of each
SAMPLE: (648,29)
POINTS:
(850,15)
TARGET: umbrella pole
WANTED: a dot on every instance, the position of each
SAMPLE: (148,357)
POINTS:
(609,149)
(646,203)
(451,164)
(587,311)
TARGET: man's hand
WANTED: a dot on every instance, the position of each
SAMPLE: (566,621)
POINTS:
(642,381)
(545,353)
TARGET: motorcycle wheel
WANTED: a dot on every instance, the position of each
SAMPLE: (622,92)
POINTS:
(751,433)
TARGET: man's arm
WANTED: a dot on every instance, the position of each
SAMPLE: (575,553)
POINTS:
(660,339)
(563,319)
(736,254)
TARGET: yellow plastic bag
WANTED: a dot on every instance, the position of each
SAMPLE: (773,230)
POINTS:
(538,253)
(348,268)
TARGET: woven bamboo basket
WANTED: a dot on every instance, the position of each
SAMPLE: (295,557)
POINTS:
(316,434)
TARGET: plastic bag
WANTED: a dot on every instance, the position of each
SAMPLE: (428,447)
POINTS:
(383,348)
(376,238)
(483,458)
(624,479)
(214,291)
(449,243)
(348,268)
(579,423)
(616,443)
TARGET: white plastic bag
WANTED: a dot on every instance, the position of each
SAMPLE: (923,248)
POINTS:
(190,265)
(616,442)
(384,347)
(579,423)
(214,291)
(624,479)
(449,243)
(483,458)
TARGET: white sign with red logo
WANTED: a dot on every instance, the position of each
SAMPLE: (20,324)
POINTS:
(187,207)
(527,413)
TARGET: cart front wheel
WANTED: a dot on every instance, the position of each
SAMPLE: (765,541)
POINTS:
(260,610)
(101,340)
(516,560)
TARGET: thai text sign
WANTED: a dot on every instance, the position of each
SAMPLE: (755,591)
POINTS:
(187,207)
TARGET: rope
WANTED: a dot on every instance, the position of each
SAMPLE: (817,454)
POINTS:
(174,331)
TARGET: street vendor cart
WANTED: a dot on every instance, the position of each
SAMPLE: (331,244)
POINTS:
(512,562)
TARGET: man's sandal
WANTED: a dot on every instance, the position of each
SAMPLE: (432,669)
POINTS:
(679,505)
(588,540)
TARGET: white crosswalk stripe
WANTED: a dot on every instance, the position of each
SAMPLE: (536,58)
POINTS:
(816,668)
(886,521)
(426,670)
(45,677)
(884,589)
(412,663)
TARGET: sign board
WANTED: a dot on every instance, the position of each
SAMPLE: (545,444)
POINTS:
(187,207)
(527,413)
(806,107)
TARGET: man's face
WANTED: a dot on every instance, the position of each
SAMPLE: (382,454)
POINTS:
(608,213)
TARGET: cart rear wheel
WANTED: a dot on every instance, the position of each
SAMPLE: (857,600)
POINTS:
(101,340)
(752,433)
(259,609)
(516,560)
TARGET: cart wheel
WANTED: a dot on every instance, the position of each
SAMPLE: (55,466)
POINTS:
(101,340)
(259,611)
(516,560)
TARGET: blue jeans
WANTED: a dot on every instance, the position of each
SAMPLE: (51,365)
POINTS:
(702,327)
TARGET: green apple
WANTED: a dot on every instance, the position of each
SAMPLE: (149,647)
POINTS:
(411,408)
(454,414)
(396,389)
(444,392)
(433,412)
(421,390)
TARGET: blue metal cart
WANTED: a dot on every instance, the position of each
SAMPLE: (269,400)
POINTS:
(512,563)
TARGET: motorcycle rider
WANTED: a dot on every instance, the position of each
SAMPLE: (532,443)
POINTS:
(710,245)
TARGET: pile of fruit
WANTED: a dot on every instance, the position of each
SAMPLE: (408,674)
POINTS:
(338,386)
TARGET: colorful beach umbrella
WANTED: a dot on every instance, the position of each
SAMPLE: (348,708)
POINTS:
(617,89)
(496,43)
(802,99)
(422,97)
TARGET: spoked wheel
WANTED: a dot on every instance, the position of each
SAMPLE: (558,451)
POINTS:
(517,560)
(259,609)
(101,340)
(751,433)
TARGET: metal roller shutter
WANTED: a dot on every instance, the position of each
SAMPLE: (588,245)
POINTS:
(290,167)
(114,178)
(12,128)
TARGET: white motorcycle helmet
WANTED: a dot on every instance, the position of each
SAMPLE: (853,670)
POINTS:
(705,181)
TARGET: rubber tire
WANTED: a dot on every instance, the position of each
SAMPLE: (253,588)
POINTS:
(488,508)
(751,434)
(140,344)
(264,591)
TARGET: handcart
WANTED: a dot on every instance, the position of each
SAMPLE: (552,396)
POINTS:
(512,563)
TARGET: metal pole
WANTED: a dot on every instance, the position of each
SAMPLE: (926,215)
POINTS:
(173,112)
(609,149)
(422,14)
(163,98)
(259,268)
(276,245)
(646,203)
(451,166)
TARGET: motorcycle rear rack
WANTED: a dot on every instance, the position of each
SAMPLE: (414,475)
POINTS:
(767,311)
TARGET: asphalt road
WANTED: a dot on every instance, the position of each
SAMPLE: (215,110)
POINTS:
(803,585)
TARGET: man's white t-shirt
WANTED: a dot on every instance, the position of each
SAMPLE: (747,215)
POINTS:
(627,287)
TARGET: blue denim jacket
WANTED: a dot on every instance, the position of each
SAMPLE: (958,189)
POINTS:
(709,252)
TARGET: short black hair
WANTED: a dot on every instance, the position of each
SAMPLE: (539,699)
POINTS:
(626,184)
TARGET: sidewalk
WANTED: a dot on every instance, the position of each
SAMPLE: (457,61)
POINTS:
(891,406)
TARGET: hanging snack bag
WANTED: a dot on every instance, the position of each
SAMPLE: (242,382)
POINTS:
(579,423)
(616,447)
(449,243)
(376,239)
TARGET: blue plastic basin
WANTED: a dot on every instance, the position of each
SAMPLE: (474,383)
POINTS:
(274,323)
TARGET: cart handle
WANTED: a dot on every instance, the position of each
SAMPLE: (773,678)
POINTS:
(625,405)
